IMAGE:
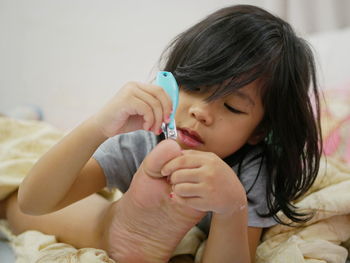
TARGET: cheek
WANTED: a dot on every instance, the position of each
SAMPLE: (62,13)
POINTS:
(182,106)
(179,113)
(228,141)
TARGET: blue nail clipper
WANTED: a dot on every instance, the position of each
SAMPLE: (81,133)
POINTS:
(168,82)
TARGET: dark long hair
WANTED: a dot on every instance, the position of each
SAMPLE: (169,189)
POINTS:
(240,44)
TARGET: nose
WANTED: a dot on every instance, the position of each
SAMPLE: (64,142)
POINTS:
(202,112)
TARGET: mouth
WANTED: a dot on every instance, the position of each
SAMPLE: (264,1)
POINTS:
(189,137)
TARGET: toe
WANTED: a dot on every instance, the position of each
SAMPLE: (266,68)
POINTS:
(159,156)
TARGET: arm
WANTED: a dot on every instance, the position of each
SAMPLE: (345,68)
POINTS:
(66,173)
(230,239)
(51,178)
(204,182)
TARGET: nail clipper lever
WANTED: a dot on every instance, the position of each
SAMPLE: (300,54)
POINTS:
(168,82)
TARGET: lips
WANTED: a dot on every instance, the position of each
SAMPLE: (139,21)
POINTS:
(189,137)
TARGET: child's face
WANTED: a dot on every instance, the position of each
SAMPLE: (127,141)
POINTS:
(216,126)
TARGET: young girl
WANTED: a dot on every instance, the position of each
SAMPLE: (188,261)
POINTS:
(248,144)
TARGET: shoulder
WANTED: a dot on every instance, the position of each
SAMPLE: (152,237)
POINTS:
(138,142)
(252,169)
(121,155)
(253,175)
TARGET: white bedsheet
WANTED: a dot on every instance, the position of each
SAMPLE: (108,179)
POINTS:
(6,253)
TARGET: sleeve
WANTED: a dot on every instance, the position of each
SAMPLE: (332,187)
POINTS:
(120,157)
(255,186)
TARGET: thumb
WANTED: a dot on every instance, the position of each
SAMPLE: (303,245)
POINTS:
(164,152)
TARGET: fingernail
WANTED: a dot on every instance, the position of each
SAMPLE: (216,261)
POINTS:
(171,195)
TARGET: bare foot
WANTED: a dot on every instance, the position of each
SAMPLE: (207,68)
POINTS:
(145,225)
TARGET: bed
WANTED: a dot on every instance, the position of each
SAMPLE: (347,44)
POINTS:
(325,239)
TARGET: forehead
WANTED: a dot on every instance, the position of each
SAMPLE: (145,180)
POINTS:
(249,93)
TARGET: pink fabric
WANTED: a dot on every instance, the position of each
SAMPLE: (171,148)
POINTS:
(336,122)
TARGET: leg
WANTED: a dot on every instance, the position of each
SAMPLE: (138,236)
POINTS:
(145,225)
(77,224)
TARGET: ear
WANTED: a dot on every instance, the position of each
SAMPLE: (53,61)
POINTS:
(257,136)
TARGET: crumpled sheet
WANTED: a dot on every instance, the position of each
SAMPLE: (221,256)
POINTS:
(321,239)
(318,241)
(36,247)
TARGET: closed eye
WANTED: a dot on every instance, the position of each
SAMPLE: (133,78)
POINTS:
(234,110)
(192,88)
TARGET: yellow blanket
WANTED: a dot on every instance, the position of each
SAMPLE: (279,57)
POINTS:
(320,239)
(23,142)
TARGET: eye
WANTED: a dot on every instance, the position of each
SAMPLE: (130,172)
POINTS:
(196,89)
(234,110)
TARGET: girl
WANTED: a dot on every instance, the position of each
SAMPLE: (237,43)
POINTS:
(248,144)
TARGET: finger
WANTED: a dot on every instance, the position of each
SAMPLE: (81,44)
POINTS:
(196,203)
(182,162)
(187,190)
(185,176)
(143,109)
(162,96)
(156,107)
(161,154)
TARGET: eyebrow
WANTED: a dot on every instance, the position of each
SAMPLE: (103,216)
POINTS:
(244,96)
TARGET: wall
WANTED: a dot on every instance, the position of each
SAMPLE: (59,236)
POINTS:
(68,57)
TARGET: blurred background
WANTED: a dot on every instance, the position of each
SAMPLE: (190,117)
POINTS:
(69,57)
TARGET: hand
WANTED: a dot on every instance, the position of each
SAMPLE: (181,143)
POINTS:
(136,106)
(205,182)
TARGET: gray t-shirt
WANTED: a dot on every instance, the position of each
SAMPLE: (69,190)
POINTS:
(120,157)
